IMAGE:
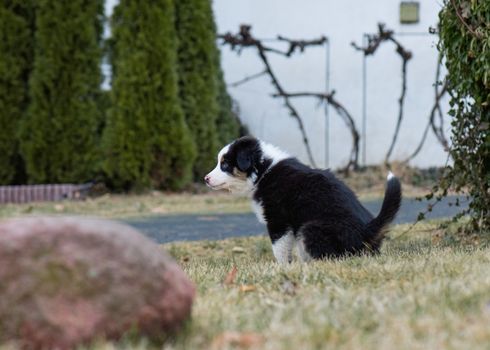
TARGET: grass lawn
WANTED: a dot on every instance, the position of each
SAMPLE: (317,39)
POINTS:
(119,206)
(126,206)
(426,290)
(368,184)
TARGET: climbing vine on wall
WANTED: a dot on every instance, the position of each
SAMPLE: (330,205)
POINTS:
(464,31)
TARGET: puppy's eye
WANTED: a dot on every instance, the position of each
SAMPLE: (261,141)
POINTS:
(225,166)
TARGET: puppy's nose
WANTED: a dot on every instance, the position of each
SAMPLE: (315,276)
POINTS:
(206,179)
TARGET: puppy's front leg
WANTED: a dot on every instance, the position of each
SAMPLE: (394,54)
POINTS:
(282,247)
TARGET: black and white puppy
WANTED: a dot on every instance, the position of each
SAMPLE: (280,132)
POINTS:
(303,207)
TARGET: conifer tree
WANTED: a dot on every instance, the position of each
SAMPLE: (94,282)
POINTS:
(146,138)
(16,53)
(227,123)
(198,78)
(58,133)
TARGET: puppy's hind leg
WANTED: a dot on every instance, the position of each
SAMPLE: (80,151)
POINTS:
(283,248)
(303,254)
(332,238)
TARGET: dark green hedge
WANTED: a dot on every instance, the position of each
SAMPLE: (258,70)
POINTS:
(147,140)
(168,102)
(16,58)
(227,122)
(59,132)
(197,78)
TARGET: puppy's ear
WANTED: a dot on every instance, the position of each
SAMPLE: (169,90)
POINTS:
(244,160)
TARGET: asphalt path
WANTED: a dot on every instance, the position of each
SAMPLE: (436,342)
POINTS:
(169,228)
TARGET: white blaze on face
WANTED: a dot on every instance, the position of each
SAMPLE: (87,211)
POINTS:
(238,181)
(218,179)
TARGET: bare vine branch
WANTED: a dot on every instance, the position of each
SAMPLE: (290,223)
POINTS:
(344,114)
(463,22)
(245,39)
(438,130)
(292,110)
(374,41)
(301,44)
(401,100)
(430,123)
(248,78)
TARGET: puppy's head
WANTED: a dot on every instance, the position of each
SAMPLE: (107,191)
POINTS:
(239,165)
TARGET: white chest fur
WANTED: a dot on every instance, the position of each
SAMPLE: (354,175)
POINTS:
(259,211)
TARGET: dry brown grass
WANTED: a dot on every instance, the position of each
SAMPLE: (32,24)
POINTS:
(368,185)
(124,206)
(426,290)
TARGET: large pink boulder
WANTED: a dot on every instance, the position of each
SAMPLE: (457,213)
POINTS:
(68,281)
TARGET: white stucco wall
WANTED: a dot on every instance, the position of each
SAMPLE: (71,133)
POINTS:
(343,21)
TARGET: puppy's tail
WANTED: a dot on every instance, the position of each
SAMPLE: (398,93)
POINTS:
(389,208)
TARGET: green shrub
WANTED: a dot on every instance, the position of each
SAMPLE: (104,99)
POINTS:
(146,139)
(198,85)
(16,48)
(465,43)
(59,131)
(227,123)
